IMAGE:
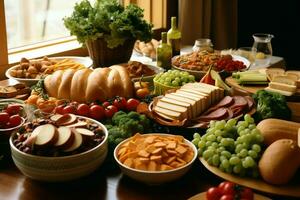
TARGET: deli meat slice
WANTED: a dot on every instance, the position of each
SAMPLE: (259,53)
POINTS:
(225,102)
(250,101)
(239,101)
(220,113)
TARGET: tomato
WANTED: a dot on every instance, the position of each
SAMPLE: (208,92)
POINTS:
(13,109)
(97,112)
(83,109)
(74,103)
(120,103)
(229,188)
(142,93)
(59,109)
(227,197)
(69,109)
(132,104)
(246,193)
(15,120)
(221,186)
(105,104)
(110,111)
(213,193)
(4,118)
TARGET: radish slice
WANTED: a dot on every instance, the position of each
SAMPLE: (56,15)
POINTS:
(78,124)
(76,143)
(85,132)
(71,120)
(45,135)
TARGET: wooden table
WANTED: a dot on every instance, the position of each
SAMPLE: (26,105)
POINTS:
(106,183)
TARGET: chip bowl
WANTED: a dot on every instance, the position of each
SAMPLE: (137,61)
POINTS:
(64,168)
(155,177)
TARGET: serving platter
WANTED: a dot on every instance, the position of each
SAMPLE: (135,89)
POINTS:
(202,196)
(292,189)
(200,74)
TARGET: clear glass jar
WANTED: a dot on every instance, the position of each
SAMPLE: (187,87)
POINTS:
(203,44)
(262,44)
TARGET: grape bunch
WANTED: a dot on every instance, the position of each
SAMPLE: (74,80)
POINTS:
(232,147)
(174,78)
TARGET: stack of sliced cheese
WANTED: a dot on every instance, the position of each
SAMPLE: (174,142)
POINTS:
(189,101)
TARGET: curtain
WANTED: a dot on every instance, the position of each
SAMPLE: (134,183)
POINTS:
(214,19)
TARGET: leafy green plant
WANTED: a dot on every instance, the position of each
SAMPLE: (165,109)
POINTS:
(109,20)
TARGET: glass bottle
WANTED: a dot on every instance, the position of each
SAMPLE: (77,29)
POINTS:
(174,37)
(203,44)
(164,53)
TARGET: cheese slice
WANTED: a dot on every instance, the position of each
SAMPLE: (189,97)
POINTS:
(216,95)
(169,113)
(185,100)
(283,87)
(202,100)
(200,88)
(179,103)
(219,91)
(198,93)
(196,99)
(175,108)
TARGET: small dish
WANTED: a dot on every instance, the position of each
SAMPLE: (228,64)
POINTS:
(155,177)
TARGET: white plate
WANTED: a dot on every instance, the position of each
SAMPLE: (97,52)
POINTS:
(86,61)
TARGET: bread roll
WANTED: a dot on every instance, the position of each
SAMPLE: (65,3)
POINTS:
(88,85)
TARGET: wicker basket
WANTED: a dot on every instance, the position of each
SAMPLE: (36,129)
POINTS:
(103,56)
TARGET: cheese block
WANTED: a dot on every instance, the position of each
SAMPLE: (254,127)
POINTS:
(175,108)
(285,93)
(198,106)
(203,102)
(179,103)
(219,91)
(200,88)
(169,113)
(285,80)
(283,87)
(192,103)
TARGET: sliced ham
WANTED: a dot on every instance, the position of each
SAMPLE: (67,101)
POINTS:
(239,101)
(237,111)
(220,113)
(250,101)
(225,102)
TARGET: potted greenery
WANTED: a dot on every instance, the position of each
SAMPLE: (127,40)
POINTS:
(108,30)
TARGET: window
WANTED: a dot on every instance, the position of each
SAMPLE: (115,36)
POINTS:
(34,28)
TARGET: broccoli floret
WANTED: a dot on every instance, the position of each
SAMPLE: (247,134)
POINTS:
(144,121)
(118,116)
(134,115)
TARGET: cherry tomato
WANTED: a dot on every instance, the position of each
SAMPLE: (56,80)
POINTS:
(120,103)
(213,193)
(4,118)
(142,93)
(229,188)
(15,120)
(13,109)
(69,109)
(97,112)
(105,104)
(221,186)
(246,193)
(59,109)
(227,197)
(132,104)
(83,109)
(110,111)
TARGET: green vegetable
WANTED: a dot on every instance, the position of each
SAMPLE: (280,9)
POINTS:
(109,20)
(250,77)
(39,88)
(271,105)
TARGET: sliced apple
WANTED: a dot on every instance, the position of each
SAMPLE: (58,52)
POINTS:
(77,124)
(76,143)
(72,119)
(45,135)
(65,137)
(60,119)
(85,132)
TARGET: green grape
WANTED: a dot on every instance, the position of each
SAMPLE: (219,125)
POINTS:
(218,133)
(201,144)
(255,131)
(243,153)
(252,126)
(225,163)
(252,153)
(211,130)
(210,161)
(243,123)
(207,154)
(231,122)
(220,124)
(211,138)
(196,135)
(225,153)
(259,138)
(221,168)
(168,79)
(191,78)
(211,148)
(256,148)
(229,169)
(222,158)
(238,148)
(237,169)
(200,152)
(214,144)
(208,143)
(240,128)
(195,141)
(250,161)
(175,83)
(177,79)
(216,160)
(234,160)
(219,138)
(212,123)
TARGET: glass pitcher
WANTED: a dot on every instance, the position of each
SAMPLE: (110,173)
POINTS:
(263,48)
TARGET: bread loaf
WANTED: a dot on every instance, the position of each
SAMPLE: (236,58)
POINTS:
(88,85)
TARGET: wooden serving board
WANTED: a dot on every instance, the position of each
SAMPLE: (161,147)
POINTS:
(291,189)
(202,196)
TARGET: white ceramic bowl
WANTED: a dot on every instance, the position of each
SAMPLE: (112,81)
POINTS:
(86,61)
(155,177)
(65,168)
